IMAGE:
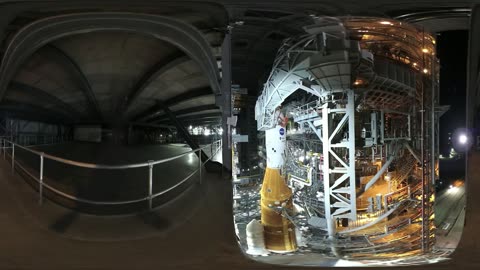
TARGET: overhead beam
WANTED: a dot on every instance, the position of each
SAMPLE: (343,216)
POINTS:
(204,120)
(42,95)
(30,112)
(202,116)
(189,95)
(41,32)
(82,80)
(152,125)
(212,122)
(189,110)
(158,109)
(216,115)
(151,75)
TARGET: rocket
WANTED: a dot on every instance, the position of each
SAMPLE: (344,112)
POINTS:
(276,196)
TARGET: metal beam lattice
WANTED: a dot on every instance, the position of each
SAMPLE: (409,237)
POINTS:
(339,182)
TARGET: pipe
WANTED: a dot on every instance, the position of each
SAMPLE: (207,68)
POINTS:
(381,171)
(412,152)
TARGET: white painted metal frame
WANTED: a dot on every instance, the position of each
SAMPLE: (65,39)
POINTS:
(340,181)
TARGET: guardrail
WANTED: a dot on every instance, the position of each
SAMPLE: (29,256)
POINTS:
(6,144)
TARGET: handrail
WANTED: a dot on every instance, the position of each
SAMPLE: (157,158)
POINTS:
(150,164)
(102,166)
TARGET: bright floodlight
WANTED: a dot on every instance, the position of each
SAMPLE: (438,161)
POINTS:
(463,139)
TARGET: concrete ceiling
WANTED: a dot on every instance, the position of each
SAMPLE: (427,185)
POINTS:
(113,77)
(113,64)
(116,77)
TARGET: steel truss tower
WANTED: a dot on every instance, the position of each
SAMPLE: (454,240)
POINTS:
(370,76)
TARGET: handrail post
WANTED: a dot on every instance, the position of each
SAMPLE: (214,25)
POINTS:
(40,188)
(13,157)
(4,149)
(200,164)
(150,184)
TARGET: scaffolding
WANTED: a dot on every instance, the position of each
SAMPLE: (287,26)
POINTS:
(375,116)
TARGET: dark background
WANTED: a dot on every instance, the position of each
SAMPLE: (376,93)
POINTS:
(452,52)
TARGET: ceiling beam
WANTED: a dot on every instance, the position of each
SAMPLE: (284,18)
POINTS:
(151,75)
(204,122)
(24,111)
(192,94)
(215,115)
(75,70)
(159,107)
(201,116)
(188,110)
(168,29)
(152,125)
(43,96)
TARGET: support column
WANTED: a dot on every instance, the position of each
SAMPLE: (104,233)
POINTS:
(351,153)
(326,171)
(339,180)
(225,101)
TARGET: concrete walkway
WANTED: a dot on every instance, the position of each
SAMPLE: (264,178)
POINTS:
(203,240)
(110,185)
(52,237)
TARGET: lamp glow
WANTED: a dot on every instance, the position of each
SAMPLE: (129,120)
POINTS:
(463,139)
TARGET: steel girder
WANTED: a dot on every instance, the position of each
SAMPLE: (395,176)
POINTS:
(39,94)
(158,109)
(153,73)
(74,69)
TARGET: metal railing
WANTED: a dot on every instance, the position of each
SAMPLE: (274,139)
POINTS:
(7,144)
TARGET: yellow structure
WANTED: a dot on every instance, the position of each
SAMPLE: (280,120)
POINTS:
(276,197)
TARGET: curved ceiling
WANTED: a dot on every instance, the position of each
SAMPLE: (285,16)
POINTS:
(116,77)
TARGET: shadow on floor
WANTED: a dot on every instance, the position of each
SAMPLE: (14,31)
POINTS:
(61,225)
(155,220)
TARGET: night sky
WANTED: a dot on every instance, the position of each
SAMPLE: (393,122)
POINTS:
(452,50)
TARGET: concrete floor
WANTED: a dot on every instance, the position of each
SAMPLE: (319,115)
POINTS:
(111,185)
(167,238)
(52,237)
(450,218)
